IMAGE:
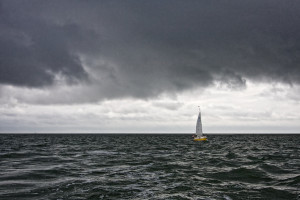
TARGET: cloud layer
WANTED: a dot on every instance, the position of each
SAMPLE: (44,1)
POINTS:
(141,49)
(259,108)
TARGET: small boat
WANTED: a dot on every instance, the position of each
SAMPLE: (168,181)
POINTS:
(199,134)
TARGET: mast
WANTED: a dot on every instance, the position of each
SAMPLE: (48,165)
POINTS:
(199,125)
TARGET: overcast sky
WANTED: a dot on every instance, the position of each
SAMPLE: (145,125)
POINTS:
(144,66)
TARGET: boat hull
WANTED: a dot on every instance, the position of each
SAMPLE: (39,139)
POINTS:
(200,139)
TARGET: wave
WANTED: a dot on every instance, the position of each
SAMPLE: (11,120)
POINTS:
(148,167)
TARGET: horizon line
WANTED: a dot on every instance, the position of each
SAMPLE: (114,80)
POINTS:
(128,133)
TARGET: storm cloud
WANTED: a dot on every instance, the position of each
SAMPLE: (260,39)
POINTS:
(142,49)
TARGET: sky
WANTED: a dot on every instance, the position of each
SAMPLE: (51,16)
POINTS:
(131,66)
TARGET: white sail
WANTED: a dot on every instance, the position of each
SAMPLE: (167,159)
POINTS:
(199,132)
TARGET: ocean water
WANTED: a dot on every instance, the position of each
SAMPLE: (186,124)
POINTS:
(149,167)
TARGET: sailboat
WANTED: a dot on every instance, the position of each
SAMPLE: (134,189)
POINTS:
(199,134)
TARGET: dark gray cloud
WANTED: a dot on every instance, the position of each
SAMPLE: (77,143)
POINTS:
(34,50)
(145,48)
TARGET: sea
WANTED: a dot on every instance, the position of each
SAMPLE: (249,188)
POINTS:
(149,166)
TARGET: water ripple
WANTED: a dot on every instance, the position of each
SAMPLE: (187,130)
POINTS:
(149,167)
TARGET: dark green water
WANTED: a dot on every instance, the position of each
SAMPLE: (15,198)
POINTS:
(149,167)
